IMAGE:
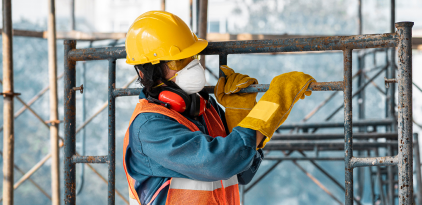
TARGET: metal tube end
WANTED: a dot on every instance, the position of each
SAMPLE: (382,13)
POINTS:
(404,24)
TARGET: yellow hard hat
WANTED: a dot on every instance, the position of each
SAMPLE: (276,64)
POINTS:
(160,36)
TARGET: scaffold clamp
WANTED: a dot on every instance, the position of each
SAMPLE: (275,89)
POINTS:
(9,94)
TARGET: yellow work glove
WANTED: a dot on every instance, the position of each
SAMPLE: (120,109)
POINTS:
(237,105)
(275,105)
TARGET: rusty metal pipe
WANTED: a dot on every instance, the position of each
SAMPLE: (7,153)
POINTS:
(348,126)
(405,125)
(69,124)
(203,24)
(317,86)
(90,159)
(111,132)
(373,161)
(8,132)
(261,46)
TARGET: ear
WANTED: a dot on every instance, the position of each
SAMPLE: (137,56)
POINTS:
(141,74)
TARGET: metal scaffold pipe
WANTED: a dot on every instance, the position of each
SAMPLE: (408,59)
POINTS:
(8,94)
(348,125)
(54,116)
(203,22)
(405,128)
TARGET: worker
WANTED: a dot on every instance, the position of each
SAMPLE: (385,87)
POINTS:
(181,147)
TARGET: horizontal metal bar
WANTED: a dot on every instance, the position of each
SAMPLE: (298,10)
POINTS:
(323,145)
(306,158)
(360,123)
(374,161)
(261,46)
(90,159)
(327,136)
(316,86)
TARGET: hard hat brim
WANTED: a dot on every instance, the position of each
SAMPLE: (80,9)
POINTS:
(190,51)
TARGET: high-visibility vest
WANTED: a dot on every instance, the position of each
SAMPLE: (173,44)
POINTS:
(187,191)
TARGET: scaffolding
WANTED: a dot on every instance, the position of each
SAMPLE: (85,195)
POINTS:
(398,138)
(404,158)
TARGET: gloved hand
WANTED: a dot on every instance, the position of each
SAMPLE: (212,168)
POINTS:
(237,105)
(275,105)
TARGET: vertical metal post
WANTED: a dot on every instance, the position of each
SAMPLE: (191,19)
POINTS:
(203,21)
(222,61)
(72,15)
(405,129)
(390,178)
(111,131)
(360,17)
(380,182)
(348,131)
(418,168)
(163,5)
(371,180)
(191,14)
(54,115)
(8,94)
(69,124)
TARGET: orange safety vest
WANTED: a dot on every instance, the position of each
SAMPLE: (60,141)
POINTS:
(182,190)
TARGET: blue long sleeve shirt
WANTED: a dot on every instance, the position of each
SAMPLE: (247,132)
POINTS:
(160,148)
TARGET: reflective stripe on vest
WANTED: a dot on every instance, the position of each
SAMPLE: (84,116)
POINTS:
(187,191)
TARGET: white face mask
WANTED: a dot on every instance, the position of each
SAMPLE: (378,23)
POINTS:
(191,78)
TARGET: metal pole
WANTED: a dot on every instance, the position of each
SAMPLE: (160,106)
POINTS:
(371,180)
(203,21)
(222,58)
(69,124)
(54,116)
(405,129)
(111,131)
(163,5)
(72,15)
(348,126)
(390,176)
(360,17)
(418,168)
(8,94)
(191,14)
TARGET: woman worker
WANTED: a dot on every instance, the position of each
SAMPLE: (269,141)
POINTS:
(181,147)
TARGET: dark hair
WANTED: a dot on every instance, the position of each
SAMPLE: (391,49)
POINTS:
(153,75)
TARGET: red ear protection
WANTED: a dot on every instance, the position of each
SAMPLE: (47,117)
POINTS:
(194,105)
(176,102)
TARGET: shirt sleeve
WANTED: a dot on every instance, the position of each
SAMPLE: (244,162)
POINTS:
(194,154)
(246,176)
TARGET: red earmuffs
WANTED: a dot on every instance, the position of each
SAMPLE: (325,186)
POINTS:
(194,105)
